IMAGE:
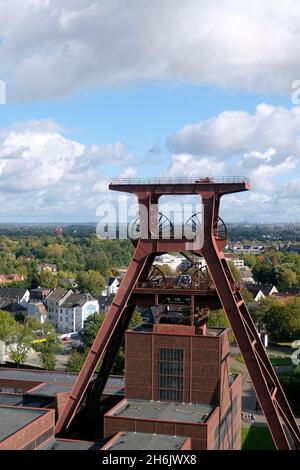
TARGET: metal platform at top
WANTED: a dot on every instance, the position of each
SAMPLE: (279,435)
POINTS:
(180,185)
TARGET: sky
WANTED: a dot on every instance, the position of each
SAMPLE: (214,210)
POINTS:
(132,88)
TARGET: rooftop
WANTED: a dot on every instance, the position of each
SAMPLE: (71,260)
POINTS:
(148,328)
(145,441)
(49,390)
(114,386)
(66,444)
(163,411)
(13,419)
(76,299)
(11,399)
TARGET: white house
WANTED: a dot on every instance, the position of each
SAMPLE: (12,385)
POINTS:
(238,263)
(112,287)
(73,312)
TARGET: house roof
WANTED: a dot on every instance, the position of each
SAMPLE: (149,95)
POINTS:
(74,300)
(111,280)
(57,294)
(256,288)
(12,293)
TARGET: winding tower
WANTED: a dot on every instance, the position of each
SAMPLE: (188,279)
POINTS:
(145,285)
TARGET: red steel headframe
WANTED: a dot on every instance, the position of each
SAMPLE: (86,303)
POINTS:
(279,416)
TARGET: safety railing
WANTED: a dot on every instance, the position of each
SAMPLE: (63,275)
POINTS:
(179,180)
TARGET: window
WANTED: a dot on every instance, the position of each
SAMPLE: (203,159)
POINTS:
(171,374)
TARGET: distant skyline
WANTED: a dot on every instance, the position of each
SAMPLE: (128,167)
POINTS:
(138,89)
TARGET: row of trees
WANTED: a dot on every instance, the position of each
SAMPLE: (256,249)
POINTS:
(19,339)
(72,255)
(275,267)
(281,320)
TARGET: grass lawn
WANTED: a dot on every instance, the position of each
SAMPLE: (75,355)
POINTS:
(235,370)
(256,438)
(275,361)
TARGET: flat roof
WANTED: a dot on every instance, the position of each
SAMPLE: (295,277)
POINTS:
(49,390)
(10,399)
(114,386)
(13,419)
(163,411)
(148,328)
(65,444)
(145,441)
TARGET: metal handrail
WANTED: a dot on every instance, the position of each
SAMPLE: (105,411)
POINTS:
(179,180)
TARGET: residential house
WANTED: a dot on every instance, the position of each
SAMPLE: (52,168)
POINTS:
(47,267)
(73,312)
(39,294)
(112,287)
(37,310)
(14,299)
(8,278)
(238,263)
(261,291)
(246,275)
(53,302)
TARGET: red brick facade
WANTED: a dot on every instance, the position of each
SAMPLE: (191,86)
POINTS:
(206,380)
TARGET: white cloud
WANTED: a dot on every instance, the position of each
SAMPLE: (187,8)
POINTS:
(52,47)
(188,166)
(238,131)
(44,172)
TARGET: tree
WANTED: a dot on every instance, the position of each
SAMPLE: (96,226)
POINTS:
(8,327)
(282,321)
(76,361)
(135,320)
(21,345)
(235,272)
(90,328)
(33,323)
(47,279)
(166,270)
(218,319)
(50,347)
(48,359)
(247,296)
(90,281)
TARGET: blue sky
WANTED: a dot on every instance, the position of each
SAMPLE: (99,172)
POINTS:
(185,89)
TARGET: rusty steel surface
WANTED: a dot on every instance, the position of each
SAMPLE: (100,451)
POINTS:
(280,419)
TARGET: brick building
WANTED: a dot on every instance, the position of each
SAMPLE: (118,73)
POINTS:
(178,383)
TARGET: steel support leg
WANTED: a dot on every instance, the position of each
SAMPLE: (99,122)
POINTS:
(269,392)
(104,335)
(97,385)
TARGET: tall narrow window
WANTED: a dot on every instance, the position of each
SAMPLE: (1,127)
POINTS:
(171,374)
